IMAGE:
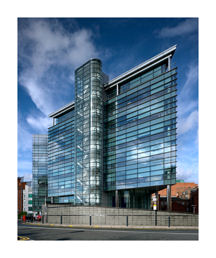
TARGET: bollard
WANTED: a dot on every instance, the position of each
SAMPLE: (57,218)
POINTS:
(61,219)
(90,222)
(168,221)
(127,220)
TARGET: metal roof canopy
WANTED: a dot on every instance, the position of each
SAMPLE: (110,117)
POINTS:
(62,110)
(143,66)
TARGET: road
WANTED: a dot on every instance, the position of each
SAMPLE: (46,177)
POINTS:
(34,232)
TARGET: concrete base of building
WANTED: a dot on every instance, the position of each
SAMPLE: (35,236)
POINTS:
(101,216)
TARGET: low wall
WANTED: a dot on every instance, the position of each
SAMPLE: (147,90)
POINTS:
(116,216)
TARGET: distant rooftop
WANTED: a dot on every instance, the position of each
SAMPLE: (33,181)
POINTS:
(178,189)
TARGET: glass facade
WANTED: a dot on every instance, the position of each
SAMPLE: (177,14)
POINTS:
(89,133)
(61,169)
(140,132)
(116,144)
(39,171)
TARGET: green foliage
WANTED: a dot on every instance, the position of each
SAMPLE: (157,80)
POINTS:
(22,214)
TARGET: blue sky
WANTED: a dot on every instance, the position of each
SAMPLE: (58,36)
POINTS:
(49,50)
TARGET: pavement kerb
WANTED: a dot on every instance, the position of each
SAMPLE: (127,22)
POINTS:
(114,227)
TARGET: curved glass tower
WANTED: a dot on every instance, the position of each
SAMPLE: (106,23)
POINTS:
(89,133)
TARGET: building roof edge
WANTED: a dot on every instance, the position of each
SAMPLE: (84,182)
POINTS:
(62,109)
(169,51)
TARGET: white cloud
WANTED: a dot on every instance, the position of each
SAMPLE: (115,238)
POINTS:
(24,165)
(187,172)
(187,159)
(48,56)
(197,138)
(188,123)
(40,95)
(185,108)
(187,127)
(185,27)
(27,176)
(39,123)
(25,169)
(190,83)
(187,104)
(24,139)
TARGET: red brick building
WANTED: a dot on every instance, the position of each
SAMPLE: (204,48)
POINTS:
(20,188)
(184,198)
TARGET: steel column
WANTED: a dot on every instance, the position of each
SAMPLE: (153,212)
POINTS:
(169,201)
(116,199)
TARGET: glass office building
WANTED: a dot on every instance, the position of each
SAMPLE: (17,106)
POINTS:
(115,144)
(39,171)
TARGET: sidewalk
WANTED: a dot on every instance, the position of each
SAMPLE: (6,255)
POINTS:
(113,227)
